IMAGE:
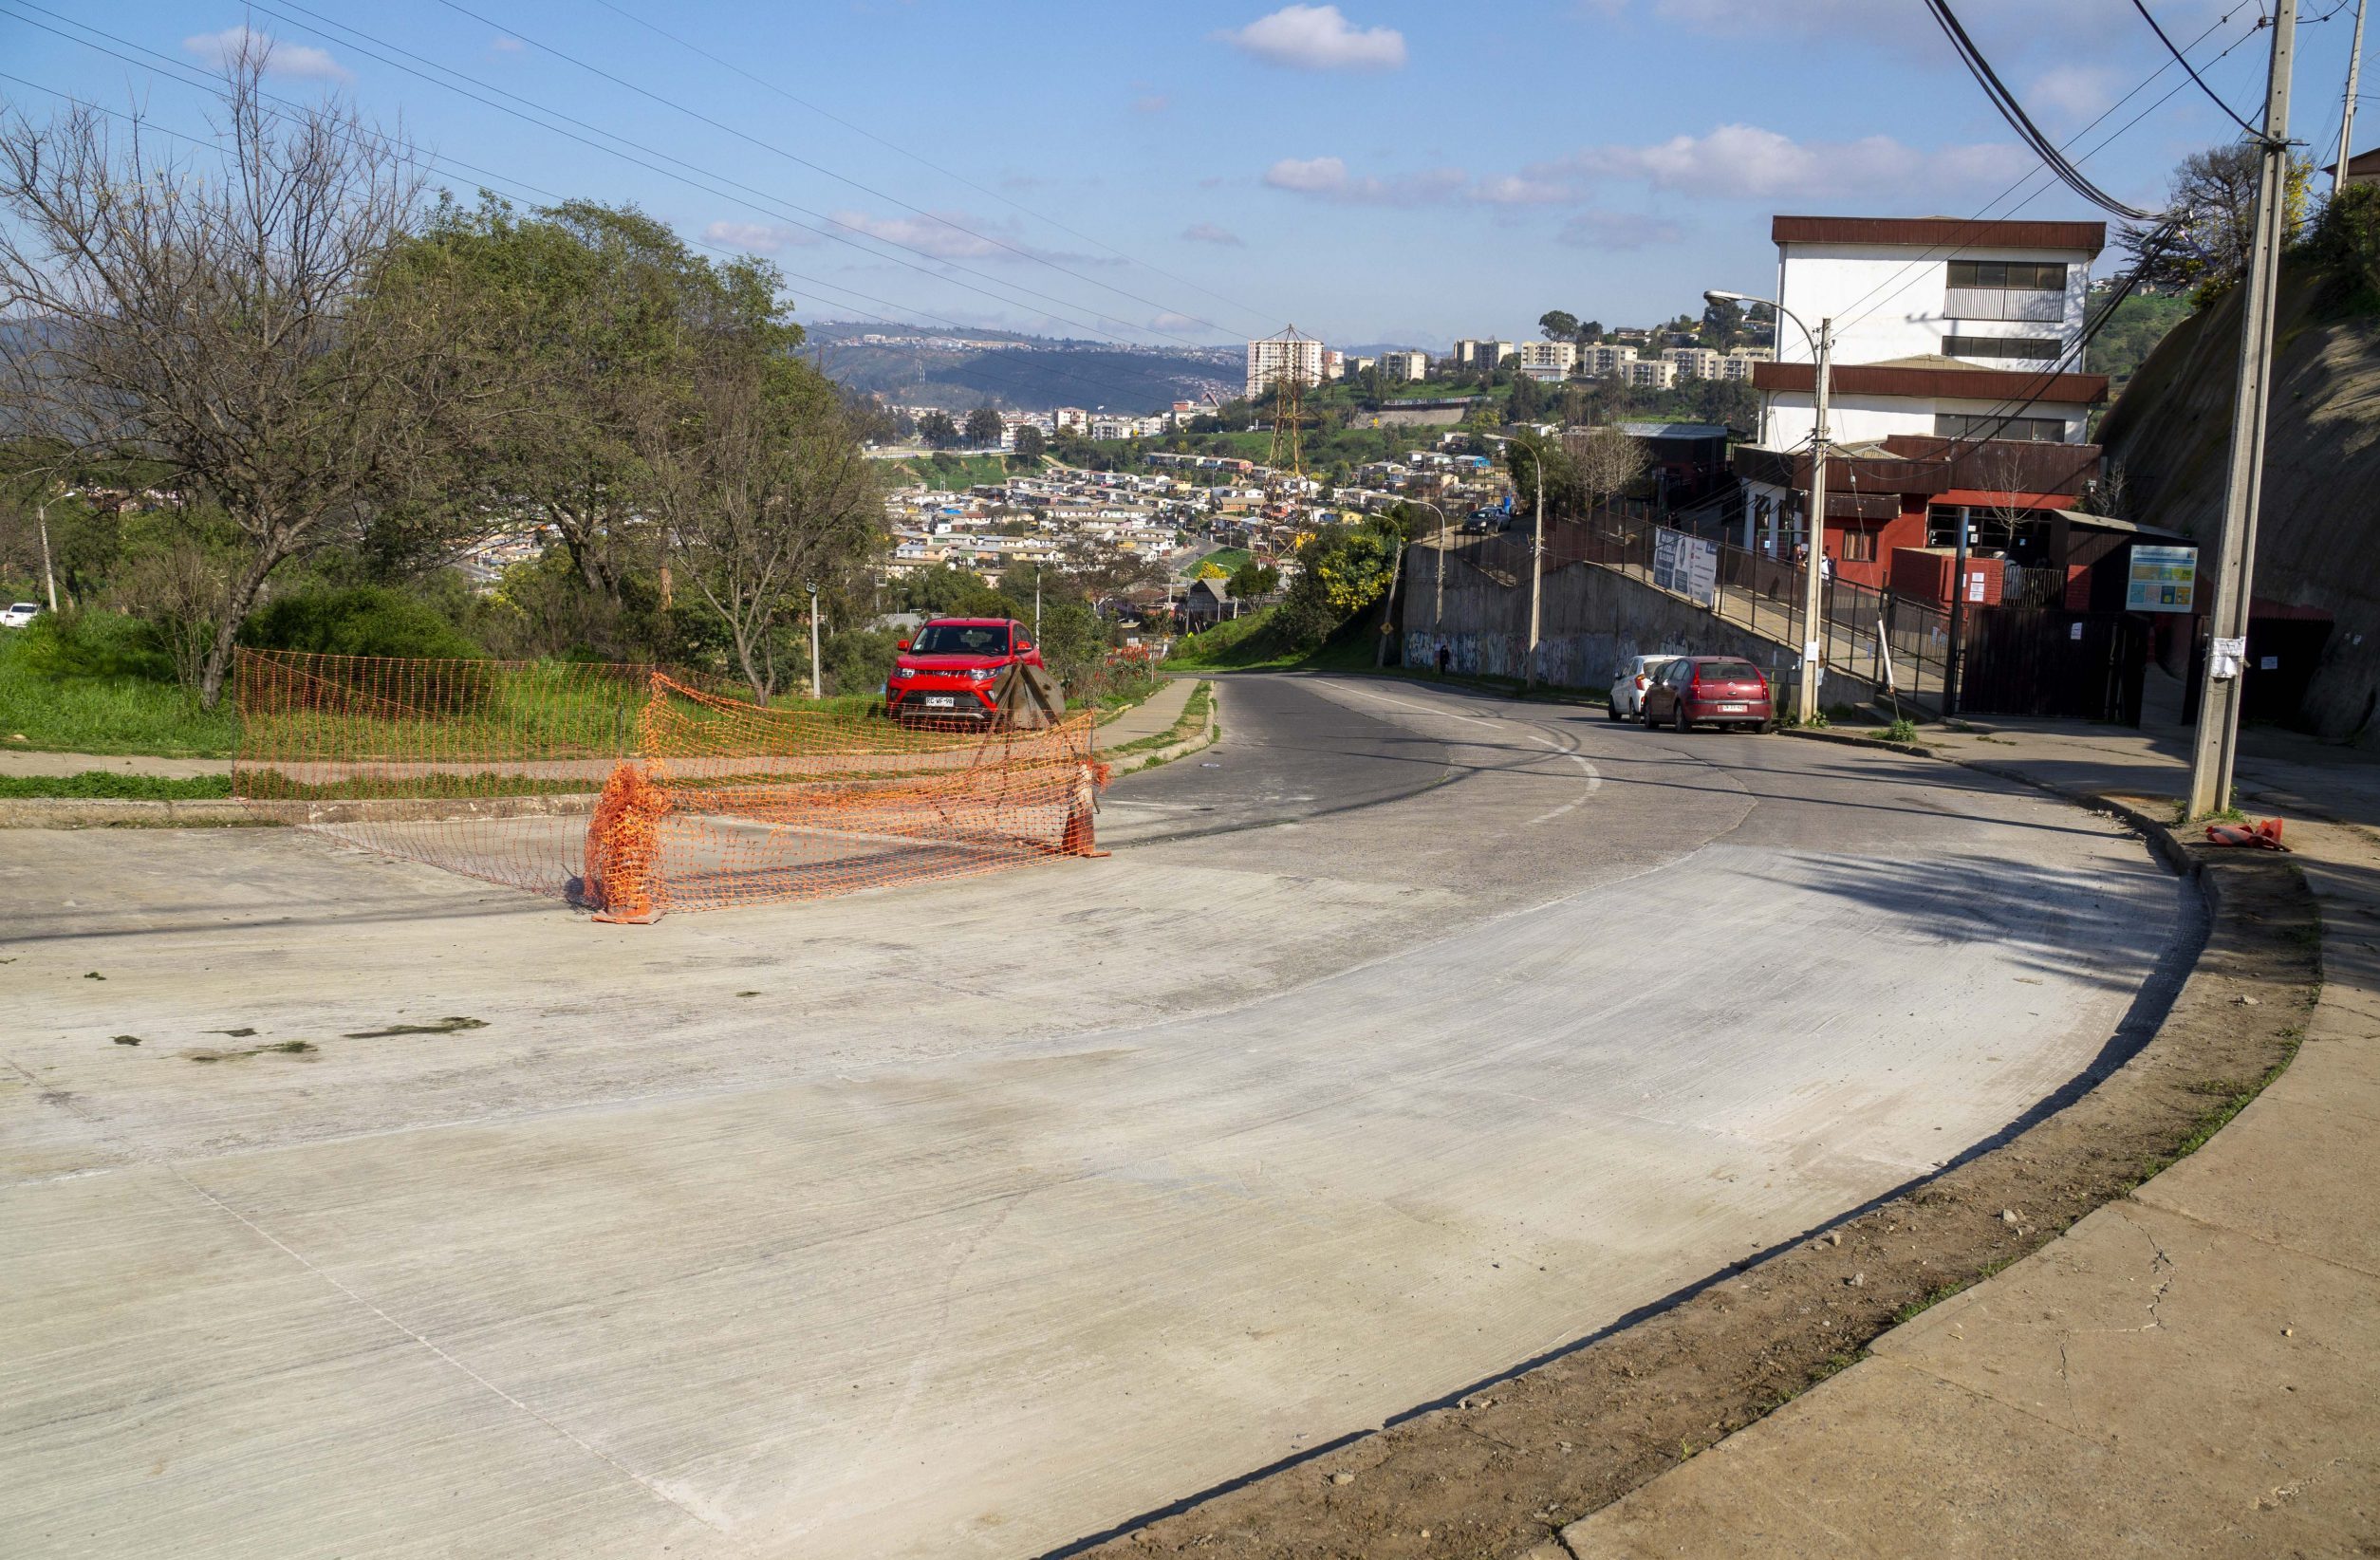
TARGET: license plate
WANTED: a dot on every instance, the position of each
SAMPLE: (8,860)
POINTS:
(945,703)
(1733,709)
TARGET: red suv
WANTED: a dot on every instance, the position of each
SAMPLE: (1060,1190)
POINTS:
(947,673)
(1714,690)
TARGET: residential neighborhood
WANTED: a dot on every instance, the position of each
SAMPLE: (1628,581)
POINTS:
(1273,781)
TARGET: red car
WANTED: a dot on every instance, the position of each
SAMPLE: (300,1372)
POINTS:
(947,673)
(1708,690)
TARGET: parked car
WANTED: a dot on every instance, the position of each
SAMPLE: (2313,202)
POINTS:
(19,614)
(946,671)
(1708,690)
(1629,684)
(1480,522)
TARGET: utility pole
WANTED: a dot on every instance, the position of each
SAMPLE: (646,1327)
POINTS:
(49,576)
(813,640)
(1954,667)
(2215,749)
(2347,115)
(1812,605)
(1536,572)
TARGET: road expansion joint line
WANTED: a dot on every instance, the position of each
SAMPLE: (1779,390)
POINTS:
(356,1297)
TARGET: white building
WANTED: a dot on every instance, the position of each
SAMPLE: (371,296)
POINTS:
(1949,316)
(1490,353)
(1407,366)
(1278,356)
(1650,373)
(1606,359)
(1334,364)
(1561,357)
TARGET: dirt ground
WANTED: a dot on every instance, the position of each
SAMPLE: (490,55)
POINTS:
(1498,1473)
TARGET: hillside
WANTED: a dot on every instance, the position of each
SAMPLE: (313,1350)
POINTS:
(2318,531)
(921,367)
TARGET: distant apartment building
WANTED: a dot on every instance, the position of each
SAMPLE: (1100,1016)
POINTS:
(1650,373)
(1559,356)
(1278,357)
(1495,354)
(1072,417)
(1605,360)
(1334,364)
(1406,366)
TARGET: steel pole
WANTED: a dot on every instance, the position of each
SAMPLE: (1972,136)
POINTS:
(813,643)
(2215,747)
(1536,572)
(1814,636)
(50,575)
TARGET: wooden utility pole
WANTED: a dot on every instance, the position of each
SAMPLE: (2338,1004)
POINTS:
(2215,749)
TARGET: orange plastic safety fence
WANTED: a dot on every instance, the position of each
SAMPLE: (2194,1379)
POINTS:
(633,792)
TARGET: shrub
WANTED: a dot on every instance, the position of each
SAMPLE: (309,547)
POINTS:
(359,621)
(60,645)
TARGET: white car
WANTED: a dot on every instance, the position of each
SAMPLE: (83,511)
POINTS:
(19,614)
(1627,685)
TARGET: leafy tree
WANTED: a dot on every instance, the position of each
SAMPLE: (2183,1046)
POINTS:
(2214,194)
(1252,579)
(1590,333)
(1722,323)
(984,428)
(938,430)
(229,322)
(1555,325)
(1030,445)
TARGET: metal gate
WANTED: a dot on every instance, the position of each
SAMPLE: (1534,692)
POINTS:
(2045,660)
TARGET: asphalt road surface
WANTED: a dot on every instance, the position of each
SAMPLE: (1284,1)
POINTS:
(1418,1035)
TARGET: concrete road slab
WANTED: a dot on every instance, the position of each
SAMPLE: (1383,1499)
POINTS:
(972,1219)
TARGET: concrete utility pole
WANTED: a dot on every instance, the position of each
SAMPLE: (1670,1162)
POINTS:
(1536,556)
(49,576)
(2347,115)
(813,640)
(2215,749)
(1813,603)
(1954,666)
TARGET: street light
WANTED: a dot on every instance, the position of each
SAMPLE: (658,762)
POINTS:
(812,587)
(1536,552)
(1438,607)
(1814,636)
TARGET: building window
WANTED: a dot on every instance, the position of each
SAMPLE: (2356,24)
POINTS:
(2029,348)
(1859,547)
(2010,275)
(1966,425)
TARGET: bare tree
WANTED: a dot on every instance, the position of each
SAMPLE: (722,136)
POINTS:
(213,320)
(762,488)
(2214,194)
(1606,461)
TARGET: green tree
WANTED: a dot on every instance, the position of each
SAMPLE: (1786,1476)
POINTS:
(984,428)
(1030,445)
(1252,581)
(1557,326)
(1722,323)
(938,430)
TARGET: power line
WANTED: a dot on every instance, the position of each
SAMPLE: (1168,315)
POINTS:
(926,162)
(780,207)
(1975,224)
(820,168)
(2145,15)
(499,179)
(2018,121)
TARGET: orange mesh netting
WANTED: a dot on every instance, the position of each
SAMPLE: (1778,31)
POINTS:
(633,792)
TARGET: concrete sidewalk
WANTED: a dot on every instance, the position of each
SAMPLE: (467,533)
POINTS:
(1153,716)
(2193,1369)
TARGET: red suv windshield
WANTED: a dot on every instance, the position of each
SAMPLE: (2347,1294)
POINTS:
(954,638)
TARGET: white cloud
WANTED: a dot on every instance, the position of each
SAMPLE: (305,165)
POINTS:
(928,234)
(1601,230)
(1207,232)
(2076,91)
(1150,102)
(760,237)
(1517,189)
(1318,38)
(506,46)
(1746,162)
(1327,179)
(218,49)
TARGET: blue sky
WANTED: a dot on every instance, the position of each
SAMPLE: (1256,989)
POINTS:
(1381,170)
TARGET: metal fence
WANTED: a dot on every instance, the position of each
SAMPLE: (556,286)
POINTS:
(1860,627)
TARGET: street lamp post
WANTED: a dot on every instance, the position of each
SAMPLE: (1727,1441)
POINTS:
(1438,605)
(1813,603)
(1536,561)
(813,640)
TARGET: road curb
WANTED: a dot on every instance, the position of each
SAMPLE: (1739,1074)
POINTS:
(1135,763)
(96,812)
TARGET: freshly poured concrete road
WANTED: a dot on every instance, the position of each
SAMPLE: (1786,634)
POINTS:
(1415,1036)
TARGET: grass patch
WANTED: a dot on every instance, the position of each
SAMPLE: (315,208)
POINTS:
(1902,730)
(103,710)
(2230,1098)
(1226,559)
(104,785)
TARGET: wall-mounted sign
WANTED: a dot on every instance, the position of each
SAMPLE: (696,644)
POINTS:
(1687,565)
(2162,580)
(1975,587)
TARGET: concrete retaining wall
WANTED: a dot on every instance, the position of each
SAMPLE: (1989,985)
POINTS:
(1592,619)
